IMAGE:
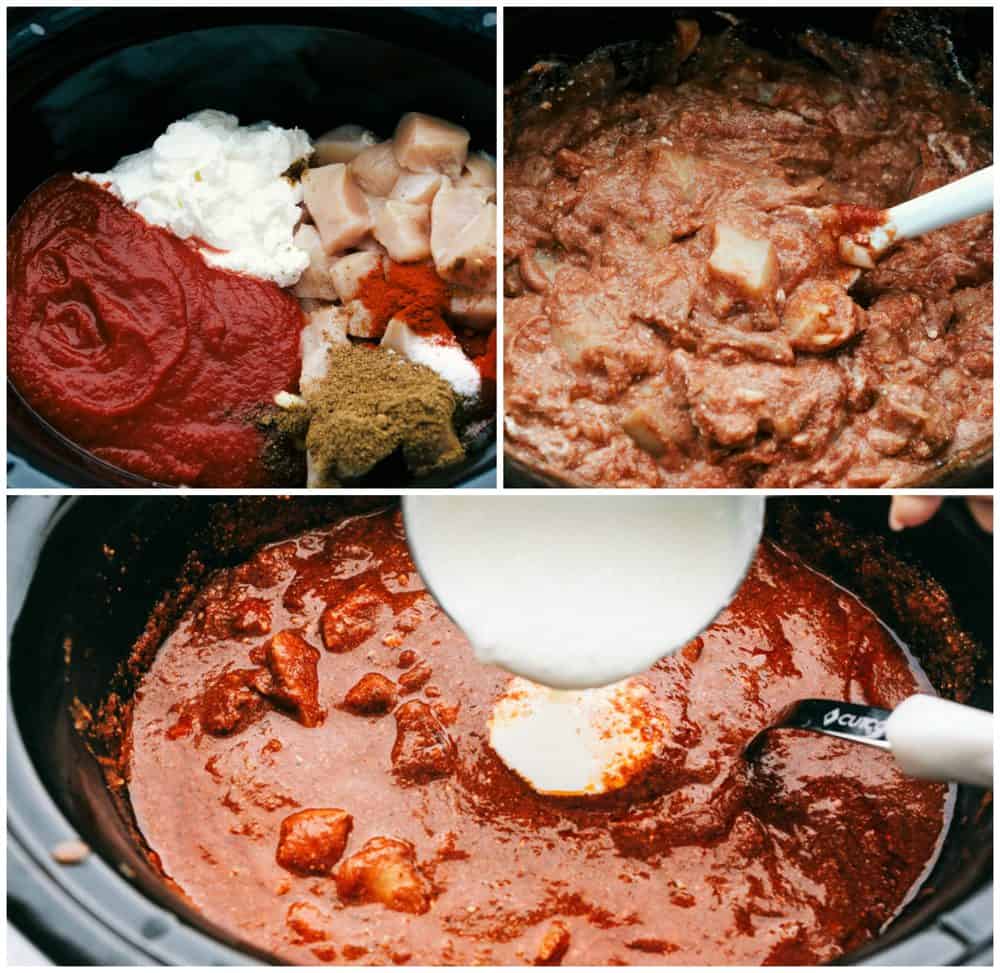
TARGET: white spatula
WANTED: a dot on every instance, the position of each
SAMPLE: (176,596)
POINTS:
(960,200)
(929,737)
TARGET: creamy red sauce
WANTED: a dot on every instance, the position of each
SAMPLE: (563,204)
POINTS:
(636,351)
(316,722)
(124,339)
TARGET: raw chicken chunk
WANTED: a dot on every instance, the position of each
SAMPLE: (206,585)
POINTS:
(404,229)
(464,236)
(337,206)
(376,170)
(423,143)
(480,170)
(474,309)
(444,357)
(347,273)
(361,323)
(315,282)
(342,144)
(325,327)
(417,187)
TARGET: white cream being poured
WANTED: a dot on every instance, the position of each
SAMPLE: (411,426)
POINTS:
(577,592)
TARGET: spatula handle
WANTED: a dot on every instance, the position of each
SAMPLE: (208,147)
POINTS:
(959,200)
(936,739)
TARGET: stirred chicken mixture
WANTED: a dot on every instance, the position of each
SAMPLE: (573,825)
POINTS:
(684,301)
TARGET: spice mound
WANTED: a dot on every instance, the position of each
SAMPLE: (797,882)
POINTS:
(371,403)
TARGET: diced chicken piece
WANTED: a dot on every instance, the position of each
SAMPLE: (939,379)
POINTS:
(423,751)
(481,171)
(376,170)
(346,625)
(679,170)
(417,187)
(294,682)
(384,871)
(372,694)
(311,842)
(748,264)
(423,143)
(231,702)
(404,229)
(337,206)
(325,327)
(642,425)
(444,357)
(582,326)
(315,282)
(342,144)
(659,423)
(554,945)
(853,253)
(361,323)
(474,309)
(464,236)
(348,272)
(819,317)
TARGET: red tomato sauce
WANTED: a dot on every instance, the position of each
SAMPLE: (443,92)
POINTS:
(123,338)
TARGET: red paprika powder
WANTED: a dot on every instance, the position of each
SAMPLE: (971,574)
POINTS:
(411,292)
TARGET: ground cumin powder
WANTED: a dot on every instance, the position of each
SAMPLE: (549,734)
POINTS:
(371,403)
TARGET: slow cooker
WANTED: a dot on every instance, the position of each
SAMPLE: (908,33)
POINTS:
(83,577)
(958,42)
(89,85)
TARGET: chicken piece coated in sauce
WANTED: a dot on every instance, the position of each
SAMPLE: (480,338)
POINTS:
(294,682)
(384,871)
(423,751)
(346,625)
(311,842)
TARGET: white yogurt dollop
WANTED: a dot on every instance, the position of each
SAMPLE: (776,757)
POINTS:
(585,742)
(577,591)
(211,178)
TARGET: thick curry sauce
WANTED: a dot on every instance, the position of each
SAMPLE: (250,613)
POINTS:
(309,764)
(678,310)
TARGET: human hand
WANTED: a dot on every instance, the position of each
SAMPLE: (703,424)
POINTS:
(914,511)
